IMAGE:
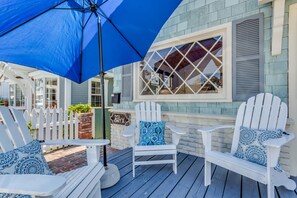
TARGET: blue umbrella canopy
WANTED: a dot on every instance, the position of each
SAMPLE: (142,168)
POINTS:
(78,39)
(61,36)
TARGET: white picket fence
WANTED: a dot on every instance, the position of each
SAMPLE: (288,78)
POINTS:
(52,124)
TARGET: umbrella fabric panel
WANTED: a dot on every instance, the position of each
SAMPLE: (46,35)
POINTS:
(47,43)
(65,42)
(139,21)
(128,30)
(16,12)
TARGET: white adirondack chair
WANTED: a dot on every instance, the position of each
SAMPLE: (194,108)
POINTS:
(82,182)
(151,112)
(263,111)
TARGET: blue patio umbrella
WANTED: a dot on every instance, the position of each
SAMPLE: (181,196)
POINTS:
(79,39)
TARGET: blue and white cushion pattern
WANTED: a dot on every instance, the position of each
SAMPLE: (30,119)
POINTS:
(251,148)
(27,159)
(151,133)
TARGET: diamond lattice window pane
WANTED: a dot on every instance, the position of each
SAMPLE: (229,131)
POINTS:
(190,68)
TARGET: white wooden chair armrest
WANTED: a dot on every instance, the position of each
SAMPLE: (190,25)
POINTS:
(176,133)
(274,146)
(175,129)
(206,134)
(98,142)
(279,142)
(129,131)
(32,184)
(214,128)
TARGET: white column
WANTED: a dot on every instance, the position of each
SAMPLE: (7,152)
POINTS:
(293,83)
(28,97)
(67,92)
(106,91)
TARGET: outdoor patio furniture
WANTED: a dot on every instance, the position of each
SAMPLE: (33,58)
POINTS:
(82,182)
(262,112)
(151,112)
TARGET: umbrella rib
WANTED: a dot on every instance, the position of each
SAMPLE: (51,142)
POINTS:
(32,18)
(110,21)
(102,3)
(84,25)
(81,9)
(82,40)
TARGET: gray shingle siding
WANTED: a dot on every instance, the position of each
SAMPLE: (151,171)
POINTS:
(192,16)
(79,93)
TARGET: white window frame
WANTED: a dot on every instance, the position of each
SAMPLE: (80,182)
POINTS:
(14,100)
(90,90)
(225,95)
(43,75)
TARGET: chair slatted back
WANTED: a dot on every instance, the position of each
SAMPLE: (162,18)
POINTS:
(148,111)
(22,124)
(5,141)
(263,111)
(13,130)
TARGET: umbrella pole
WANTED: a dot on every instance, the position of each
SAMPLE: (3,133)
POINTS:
(112,173)
(102,88)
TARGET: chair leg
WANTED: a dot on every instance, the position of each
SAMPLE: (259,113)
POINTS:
(207,173)
(133,164)
(270,190)
(175,164)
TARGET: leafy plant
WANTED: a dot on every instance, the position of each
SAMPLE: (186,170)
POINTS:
(80,108)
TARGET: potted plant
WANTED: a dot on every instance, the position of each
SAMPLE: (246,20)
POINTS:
(85,117)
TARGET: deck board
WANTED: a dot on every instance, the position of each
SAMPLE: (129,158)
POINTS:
(233,185)
(167,186)
(140,179)
(160,181)
(216,189)
(184,185)
(147,189)
(249,188)
(198,189)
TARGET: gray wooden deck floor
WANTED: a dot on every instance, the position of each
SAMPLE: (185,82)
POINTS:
(160,181)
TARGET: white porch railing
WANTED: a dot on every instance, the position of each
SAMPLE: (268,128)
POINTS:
(52,124)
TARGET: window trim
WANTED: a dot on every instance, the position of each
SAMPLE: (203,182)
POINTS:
(44,75)
(14,95)
(90,90)
(226,96)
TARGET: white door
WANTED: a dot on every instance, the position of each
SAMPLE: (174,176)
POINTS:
(293,82)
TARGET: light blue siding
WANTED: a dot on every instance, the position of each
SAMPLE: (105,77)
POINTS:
(79,93)
(195,15)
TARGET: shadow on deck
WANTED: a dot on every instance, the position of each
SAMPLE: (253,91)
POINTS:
(160,181)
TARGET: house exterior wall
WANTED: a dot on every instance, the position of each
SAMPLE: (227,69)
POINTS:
(79,93)
(196,15)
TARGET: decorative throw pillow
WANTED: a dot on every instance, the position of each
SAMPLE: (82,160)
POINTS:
(27,159)
(250,145)
(151,133)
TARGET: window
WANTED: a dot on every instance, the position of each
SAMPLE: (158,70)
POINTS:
(195,67)
(46,93)
(16,96)
(95,93)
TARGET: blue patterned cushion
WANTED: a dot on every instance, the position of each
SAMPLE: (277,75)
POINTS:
(250,145)
(151,133)
(27,159)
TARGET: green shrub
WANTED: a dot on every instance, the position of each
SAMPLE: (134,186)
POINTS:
(80,108)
